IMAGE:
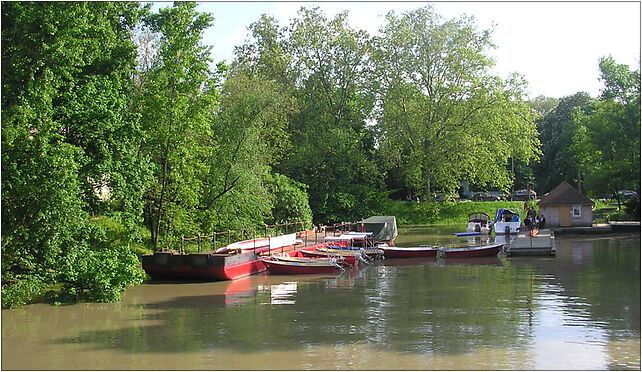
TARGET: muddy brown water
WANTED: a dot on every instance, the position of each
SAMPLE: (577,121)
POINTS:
(578,310)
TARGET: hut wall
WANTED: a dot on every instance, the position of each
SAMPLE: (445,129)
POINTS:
(552,215)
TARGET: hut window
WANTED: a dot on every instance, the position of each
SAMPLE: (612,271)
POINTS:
(577,211)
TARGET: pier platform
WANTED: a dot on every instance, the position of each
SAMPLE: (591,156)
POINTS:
(543,244)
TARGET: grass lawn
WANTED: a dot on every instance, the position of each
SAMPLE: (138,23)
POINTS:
(441,213)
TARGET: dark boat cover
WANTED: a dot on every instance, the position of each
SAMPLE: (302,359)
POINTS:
(383,227)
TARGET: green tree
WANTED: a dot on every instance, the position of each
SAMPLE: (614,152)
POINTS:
(443,117)
(248,136)
(607,144)
(66,130)
(557,129)
(176,105)
(323,64)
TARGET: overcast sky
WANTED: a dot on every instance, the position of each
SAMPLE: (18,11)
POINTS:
(555,45)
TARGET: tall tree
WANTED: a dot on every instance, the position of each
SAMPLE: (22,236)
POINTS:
(557,129)
(176,107)
(607,145)
(323,64)
(334,153)
(67,130)
(443,117)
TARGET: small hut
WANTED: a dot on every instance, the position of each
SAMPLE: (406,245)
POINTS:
(565,206)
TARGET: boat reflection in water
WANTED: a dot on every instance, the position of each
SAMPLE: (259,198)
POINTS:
(280,294)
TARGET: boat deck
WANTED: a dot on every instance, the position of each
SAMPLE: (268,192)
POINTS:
(543,244)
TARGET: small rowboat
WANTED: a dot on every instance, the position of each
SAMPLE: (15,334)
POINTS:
(370,252)
(298,256)
(398,252)
(350,257)
(276,266)
(481,251)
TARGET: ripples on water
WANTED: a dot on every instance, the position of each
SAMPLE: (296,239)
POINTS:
(579,310)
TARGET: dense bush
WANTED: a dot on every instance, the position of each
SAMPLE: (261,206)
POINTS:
(290,200)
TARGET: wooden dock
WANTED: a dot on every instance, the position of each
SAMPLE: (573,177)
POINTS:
(543,244)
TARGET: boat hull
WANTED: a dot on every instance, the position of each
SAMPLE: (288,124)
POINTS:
(483,251)
(396,252)
(513,227)
(299,268)
(201,266)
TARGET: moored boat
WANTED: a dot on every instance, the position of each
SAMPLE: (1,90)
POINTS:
(314,266)
(463,252)
(201,266)
(237,260)
(263,246)
(354,241)
(479,222)
(298,256)
(507,222)
(350,257)
(399,252)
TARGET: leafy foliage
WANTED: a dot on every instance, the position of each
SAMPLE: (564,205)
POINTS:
(290,201)
(558,129)
(607,143)
(65,127)
(442,117)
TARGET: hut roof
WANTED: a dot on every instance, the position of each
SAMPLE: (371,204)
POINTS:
(564,194)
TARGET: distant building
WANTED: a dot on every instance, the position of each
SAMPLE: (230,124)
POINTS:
(565,206)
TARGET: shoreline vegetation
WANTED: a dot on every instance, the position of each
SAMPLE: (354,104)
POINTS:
(122,133)
(407,213)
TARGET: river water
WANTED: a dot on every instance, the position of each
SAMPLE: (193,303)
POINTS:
(578,310)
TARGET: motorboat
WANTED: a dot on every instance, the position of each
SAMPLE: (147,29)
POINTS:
(507,222)
(479,222)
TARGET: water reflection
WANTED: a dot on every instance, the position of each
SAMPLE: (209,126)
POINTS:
(281,294)
(578,310)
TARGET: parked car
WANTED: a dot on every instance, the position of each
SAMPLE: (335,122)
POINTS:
(485,196)
(521,195)
(499,194)
(627,194)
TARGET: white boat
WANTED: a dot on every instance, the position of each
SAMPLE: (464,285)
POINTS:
(507,222)
(479,222)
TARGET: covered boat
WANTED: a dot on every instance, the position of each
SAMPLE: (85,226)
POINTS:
(479,222)
(464,252)
(384,228)
(507,222)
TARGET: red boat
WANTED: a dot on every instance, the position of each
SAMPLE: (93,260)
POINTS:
(481,251)
(201,266)
(313,266)
(399,252)
(234,261)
